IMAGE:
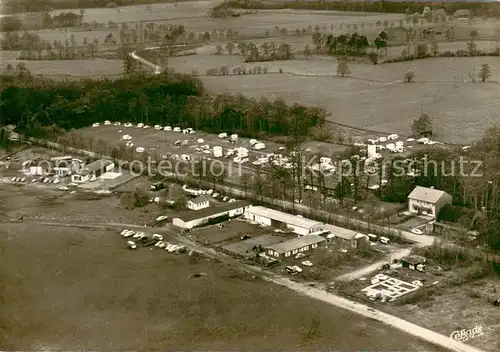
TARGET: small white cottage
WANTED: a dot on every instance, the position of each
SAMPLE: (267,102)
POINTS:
(198,203)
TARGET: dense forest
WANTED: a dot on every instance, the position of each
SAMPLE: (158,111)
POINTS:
(410,7)
(40,107)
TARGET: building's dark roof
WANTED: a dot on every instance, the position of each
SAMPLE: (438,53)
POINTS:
(284,218)
(296,243)
(96,165)
(199,200)
(341,232)
(414,259)
(210,212)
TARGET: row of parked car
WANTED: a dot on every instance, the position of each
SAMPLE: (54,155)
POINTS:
(22,179)
(188,130)
(136,238)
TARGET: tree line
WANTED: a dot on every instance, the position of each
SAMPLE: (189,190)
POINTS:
(61,20)
(342,44)
(41,107)
(36,48)
(479,8)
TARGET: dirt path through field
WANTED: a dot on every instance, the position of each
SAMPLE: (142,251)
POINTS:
(367,270)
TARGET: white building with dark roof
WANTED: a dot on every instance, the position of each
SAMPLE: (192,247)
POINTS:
(427,201)
(294,246)
(346,238)
(270,217)
(95,169)
(193,219)
(198,203)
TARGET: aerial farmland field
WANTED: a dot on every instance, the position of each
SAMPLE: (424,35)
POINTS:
(71,68)
(376,98)
(147,13)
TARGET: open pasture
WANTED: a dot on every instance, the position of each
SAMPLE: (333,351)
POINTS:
(486,30)
(460,111)
(450,70)
(79,35)
(62,68)
(483,45)
(68,289)
(140,13)
(194,16)
(202,63)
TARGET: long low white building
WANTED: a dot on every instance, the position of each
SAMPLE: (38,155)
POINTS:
(294,246)
(201,217)
(270,217)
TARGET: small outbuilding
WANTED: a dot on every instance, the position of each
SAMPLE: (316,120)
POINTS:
(414,262)
(198,203)
(294,246)
(346,238)
(427,201)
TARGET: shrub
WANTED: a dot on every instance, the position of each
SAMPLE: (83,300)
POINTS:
(409,76)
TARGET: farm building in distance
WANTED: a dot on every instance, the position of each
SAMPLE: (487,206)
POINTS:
(346,238)
(414,262)
(270,217)
(397,35)
(95,169)
(203,216)
(198,203)
(294,246)
(427,201)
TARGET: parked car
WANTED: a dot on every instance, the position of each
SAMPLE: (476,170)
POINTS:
(158,186)
(173,248)
(129,233)
(384,240)
(417,231)
(245,237)
(300,255)
(157,237)
(139,235)
(159,243)
(290,270)
(181,249)
(307,263)
(167,246)
(131,244)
